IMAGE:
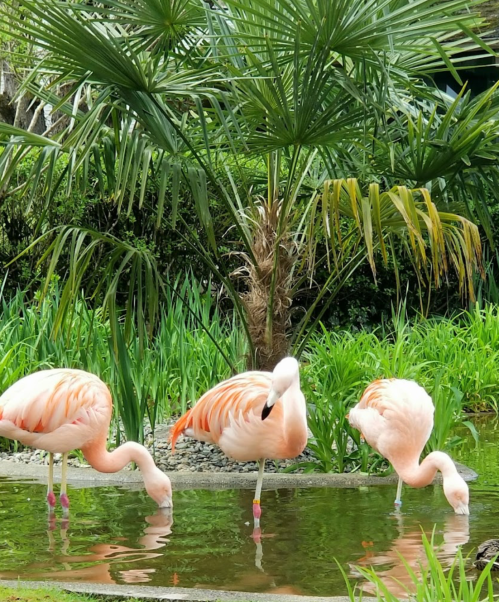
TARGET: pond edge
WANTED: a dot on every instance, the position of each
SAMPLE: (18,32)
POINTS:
(132,479)
(145,592)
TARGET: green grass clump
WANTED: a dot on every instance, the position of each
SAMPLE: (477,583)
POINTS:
(432,583)
(454,359)
(194,348)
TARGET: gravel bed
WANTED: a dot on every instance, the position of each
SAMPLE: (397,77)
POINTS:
(190,456)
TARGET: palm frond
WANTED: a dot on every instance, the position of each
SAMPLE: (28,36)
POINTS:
(356,31)
(435,240)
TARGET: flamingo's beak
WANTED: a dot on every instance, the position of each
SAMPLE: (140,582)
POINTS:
(462,509)
(269,404)
(166,503)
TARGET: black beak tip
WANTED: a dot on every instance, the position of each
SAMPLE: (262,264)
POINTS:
(266,411)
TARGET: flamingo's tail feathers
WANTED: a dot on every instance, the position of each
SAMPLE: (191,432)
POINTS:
(179,427)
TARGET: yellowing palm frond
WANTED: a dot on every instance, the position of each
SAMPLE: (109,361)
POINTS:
(436,240)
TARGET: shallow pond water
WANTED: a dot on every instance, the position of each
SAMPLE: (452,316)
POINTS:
(118,536)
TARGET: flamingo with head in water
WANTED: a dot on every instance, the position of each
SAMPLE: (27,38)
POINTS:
(63,409)
(395,417)
(252,416)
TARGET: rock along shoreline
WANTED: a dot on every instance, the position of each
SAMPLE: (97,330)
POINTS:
(190,456)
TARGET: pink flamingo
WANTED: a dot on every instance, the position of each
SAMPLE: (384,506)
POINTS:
(62,409)
(395,417)
(252,416)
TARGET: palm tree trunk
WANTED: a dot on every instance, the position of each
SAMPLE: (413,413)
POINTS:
(269,328)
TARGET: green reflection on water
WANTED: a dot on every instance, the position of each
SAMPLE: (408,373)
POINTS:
(117,536)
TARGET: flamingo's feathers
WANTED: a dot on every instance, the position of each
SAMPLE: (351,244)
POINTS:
(396,418)
(50,400)
(236,398)
(179,428)
(230,415)
(394,415)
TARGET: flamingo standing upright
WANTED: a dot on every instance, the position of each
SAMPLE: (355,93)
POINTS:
(395,416)
(62,409)
(252,416)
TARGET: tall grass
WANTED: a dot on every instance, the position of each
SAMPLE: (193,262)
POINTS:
(455,360)
(180,363)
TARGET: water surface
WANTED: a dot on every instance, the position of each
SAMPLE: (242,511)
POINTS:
(118,536)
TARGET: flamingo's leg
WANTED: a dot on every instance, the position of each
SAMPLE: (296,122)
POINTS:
(64,475)
(398,501)
(64,536)
(259,555)
(257,511)
(50,491)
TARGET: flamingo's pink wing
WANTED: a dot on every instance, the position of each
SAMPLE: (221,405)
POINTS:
(377,395)
(238,397)
(44,401)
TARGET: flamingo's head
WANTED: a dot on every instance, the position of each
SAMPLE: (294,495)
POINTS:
(284,375)
(457,493)
(159,487)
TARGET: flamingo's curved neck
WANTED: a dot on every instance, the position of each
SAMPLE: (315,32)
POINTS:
(295,416)
(99,458)
(420,475)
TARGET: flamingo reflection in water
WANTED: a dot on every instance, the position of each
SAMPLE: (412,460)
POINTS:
(409,548)
(102,556)
(262,581)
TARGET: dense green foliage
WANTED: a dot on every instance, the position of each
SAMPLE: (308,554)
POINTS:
(181,362)
(307,145)
(455,360)
(361,301)
(295,158)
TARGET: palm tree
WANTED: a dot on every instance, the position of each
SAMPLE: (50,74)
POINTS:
(306,92)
